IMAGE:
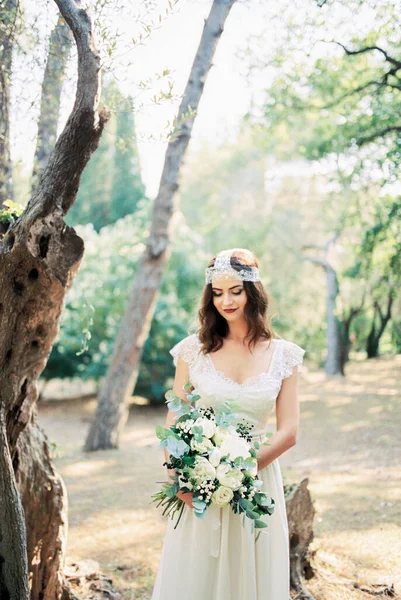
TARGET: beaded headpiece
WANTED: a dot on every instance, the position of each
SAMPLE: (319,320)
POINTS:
(222,269)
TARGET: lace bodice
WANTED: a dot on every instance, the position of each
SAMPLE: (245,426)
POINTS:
(256,395)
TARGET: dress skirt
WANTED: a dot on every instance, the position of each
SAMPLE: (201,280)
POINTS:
(217,558)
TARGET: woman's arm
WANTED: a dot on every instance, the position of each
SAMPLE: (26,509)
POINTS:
(180,379)
(287,421)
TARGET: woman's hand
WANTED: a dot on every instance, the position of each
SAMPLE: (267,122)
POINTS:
(186,497)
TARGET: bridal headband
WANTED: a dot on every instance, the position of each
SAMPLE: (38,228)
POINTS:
(222,269)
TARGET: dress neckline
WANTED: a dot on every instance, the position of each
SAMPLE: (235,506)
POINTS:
(249,379)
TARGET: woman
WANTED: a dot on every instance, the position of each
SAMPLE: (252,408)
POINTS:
(234,355)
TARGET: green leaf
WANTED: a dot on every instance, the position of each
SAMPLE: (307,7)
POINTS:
(245,504)
(177,447)
(163,433)
(252,514)
(172,491)
(259,524)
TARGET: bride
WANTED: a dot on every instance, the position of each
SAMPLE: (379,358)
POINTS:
(235,355)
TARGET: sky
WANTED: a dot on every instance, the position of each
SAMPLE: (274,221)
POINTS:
(172,46)
(228,91)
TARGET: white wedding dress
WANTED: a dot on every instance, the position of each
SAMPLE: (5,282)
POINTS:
(217,558)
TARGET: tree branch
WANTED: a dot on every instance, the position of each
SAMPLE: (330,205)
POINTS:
(388,58)
(59,182)
(319,261)
(377,134)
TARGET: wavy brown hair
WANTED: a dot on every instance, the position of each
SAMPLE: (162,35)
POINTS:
(214,328)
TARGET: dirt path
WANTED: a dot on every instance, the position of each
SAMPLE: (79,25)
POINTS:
(349,446)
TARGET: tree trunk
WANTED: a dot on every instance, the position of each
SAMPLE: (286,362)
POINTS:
(60,44)
(44,499)
(13,555)
(39,256)
(300,515)
(335,351)
(373,341)
(111,413)
(8,19)
(335,341)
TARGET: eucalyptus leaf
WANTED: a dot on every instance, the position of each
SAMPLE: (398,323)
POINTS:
(246,504)
(252,514)
(259,524)
(177,447)
(162,432)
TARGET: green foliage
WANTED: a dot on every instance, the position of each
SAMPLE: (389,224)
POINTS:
(335,98)
(11,211)
(103,282)
(239,196)
(111,185)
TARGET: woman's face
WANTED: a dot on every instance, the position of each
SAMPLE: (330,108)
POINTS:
(229,298)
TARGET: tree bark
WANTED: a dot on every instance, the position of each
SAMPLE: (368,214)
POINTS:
(111,413)
(335,343)
(375,334)
(13,554)
(8,19)
(346,328)
(300,515)
(39,256)
(60,44)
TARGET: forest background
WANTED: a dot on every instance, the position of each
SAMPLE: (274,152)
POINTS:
(295,155)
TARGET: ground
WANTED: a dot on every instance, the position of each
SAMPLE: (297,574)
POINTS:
(349,446)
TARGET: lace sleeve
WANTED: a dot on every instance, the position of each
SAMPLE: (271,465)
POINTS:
(187,349)
(292,356)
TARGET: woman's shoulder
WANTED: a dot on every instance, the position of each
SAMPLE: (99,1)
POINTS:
(288,345)
(187,349)
(290,355)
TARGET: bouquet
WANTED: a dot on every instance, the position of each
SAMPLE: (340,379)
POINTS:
(213,458)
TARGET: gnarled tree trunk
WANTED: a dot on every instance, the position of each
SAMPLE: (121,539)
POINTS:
(111,413)
(300,515)
(39,256)
(59,49)
(8,18)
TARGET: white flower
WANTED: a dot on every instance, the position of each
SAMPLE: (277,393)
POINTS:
(208,427)
(223,434)
(202,469)
(215,456)
(235,446)
(202,446)
(229,477)
(222,496)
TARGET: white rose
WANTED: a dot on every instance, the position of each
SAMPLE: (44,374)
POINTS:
(202,469)
(215,456)
(202,446)
(223,434)
(229,477)
(235,446)
(208,427)
(222,496)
